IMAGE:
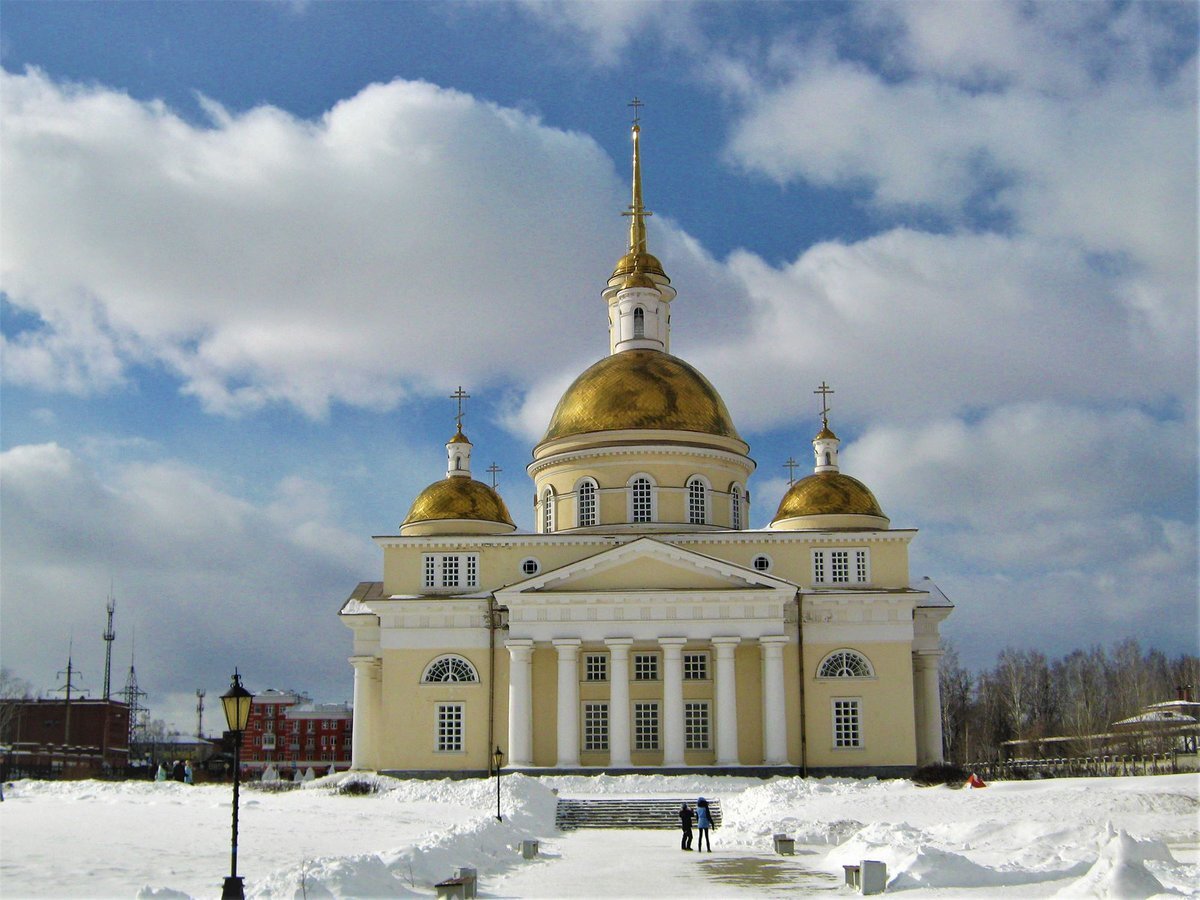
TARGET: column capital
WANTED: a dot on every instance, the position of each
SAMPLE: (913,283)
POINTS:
(519,647)
(774,639)
(365,661)
(672,643)
(619,646)
(725,644)
(566,645)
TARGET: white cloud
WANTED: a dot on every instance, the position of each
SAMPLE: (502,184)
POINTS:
(205,579)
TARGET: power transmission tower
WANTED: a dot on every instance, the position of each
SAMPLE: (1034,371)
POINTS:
(133,699)
(200,714)
(70,673)
(109,637)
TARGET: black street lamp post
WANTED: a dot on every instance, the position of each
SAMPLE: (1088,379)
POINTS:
(497,761)
(236,702)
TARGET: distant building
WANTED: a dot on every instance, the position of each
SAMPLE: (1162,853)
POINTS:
(56,739)
(288,731)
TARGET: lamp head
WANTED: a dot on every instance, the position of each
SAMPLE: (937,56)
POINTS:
(236,703)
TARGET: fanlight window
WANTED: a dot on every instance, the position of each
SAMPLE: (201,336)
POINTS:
(449,668)
(735,508)
(845,664)
(547,511)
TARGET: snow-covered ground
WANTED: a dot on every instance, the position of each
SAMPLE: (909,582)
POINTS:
(1103,837)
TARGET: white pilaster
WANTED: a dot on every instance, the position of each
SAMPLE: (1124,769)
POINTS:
(774,709)
(727,734)
(520,702)
(929,703)
(568,701)
(618,703)
(673,737)
(366,711)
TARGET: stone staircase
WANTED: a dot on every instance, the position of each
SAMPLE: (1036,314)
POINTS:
(627,812)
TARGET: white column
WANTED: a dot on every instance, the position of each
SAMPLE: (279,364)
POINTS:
(929,693)
(672,723)
(618,703)
(568,701)
(366,711)
(727,732)
(774,709)
(520,702)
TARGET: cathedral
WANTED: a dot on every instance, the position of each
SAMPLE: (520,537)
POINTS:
(643,626)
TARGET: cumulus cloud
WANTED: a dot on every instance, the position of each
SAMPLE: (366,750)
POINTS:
(204,579)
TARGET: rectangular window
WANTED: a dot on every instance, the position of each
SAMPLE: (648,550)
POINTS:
(595,726)
(449,727)
(695,666)
(595,667)
(645,726)
(841,566)
(451,570)
(695,725)
(642,500)
(645,667)
(847,724)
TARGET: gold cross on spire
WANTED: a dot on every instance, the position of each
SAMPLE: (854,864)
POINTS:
(791,466)
(637,109)
(638,212)
(824,390)
(494,469)
(460,395)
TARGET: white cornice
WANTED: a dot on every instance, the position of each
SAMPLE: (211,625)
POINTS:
(740,461)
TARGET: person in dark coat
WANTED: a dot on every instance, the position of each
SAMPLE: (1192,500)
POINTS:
(703,823)
(685,820)
(177,771)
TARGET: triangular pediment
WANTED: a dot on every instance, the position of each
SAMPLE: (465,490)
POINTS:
(647,565)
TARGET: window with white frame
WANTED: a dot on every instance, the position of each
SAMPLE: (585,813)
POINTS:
(595,667)
(530,566)
(449,727)
(847,723)
(695,725)
(547,511)
(762,563)
(586,503)
(639,322)
(697,501)
(645,726)
(449,668)
(695,666)
(845,664)
(832,566)
(642,499)
(735,508)
(451,570)
(595,726)
(645,667)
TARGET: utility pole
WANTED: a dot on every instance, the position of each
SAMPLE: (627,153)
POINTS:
(109,637)
(200,714)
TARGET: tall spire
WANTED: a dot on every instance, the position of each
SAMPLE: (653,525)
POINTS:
(637,211)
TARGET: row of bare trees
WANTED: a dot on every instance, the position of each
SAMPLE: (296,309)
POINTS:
(1028,696)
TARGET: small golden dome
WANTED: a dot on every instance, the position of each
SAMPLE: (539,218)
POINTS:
(828,494)
(644,263)
(825,434)
(459,438)
(638,279)
(646,389)
(459,498)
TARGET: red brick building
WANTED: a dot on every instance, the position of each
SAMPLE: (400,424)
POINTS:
(290,732)
(56,739)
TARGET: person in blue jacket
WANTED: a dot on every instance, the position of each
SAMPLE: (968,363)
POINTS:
(703,823)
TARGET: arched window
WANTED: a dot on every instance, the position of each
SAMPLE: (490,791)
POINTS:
(845,664)
(449,668)
(735,508)
(641,499)
(697,501)
(639,323)
(586,503)
(828,458)
(547,511)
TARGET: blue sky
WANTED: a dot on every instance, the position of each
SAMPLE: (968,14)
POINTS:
(248,249)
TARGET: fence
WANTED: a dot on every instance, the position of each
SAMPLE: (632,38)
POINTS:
(1078,766)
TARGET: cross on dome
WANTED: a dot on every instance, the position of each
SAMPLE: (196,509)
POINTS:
(824,390)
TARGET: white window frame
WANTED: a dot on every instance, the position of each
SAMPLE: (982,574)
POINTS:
(766,565)
(464,566)
(595,667)
(450,666)
(646,667)
(698,492)
(595,726)
(699,670)
(530,566)
(450,728)
(841,565)
(593,504)
(634,502)
(697,725)
(645,725)
(548,511)
(845,663)
(735,507)
(846,723)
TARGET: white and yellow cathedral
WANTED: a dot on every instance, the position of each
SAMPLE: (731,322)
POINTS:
(644,626)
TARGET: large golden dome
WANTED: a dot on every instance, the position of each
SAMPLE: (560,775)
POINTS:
(828,494)
(641,389)
(461,499)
